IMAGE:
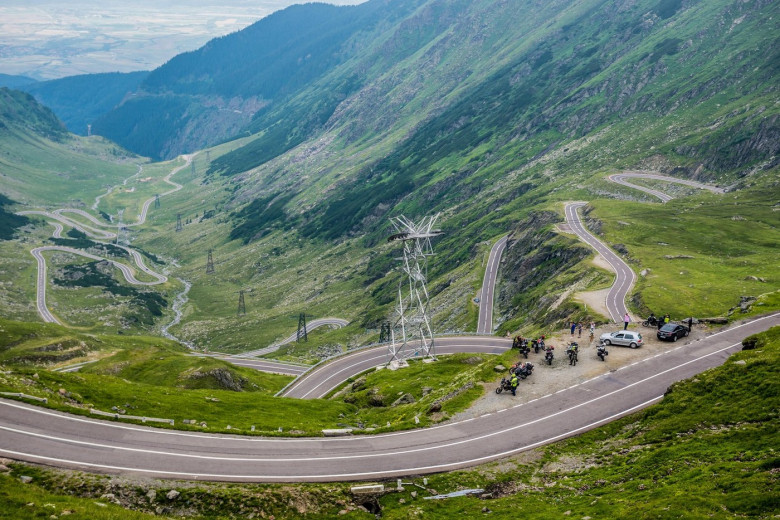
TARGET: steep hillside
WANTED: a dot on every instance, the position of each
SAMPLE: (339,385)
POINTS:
(79,100)
(20,111)
(202,97)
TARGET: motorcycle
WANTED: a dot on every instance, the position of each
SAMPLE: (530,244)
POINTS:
(524,350)
(548,356)
(535,345)
(571,351)
(504,385)
(652,321)
(522,370)
(601,351)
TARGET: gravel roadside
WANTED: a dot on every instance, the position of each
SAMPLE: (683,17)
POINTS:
(549,379)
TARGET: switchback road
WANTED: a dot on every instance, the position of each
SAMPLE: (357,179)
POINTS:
(486,296)
(97,234)
(48,437)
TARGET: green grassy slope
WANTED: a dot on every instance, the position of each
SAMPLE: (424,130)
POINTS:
(707,450)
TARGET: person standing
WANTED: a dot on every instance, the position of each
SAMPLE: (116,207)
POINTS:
(667,319)
(573,326)
(626,321)
(513,383)
(579,329)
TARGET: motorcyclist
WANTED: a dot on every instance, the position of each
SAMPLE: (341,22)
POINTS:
(513,383)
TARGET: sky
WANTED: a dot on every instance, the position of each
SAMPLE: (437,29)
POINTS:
(49,39)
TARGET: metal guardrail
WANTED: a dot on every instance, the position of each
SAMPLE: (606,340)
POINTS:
(130,417)
(25,396)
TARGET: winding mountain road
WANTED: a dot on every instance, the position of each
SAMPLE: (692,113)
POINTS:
(38,435)
(624,275)
(486,296)
(48,437)
(313,324)
(621,178)
(98,235)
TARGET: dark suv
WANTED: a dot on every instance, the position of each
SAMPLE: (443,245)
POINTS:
(672,331)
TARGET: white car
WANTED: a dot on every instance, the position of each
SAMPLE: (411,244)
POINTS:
(626,338)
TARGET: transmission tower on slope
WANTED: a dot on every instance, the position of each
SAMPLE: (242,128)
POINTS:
(178,222)
(241,304)
(121,230)
(156,200)
(303,334)
(210,263)
(412,334)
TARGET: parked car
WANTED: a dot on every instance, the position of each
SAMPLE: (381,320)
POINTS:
(672,331)
(625,338)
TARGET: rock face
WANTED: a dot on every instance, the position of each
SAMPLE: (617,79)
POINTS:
(535,257)
(404,399)
(223,377)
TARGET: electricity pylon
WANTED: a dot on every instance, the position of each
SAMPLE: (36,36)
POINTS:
(414,336)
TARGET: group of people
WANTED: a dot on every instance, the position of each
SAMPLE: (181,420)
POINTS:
(659,321)
(577,326)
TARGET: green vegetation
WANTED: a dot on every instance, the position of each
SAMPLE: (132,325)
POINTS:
(700,254)
(708,450)
(147,376)
(9,222)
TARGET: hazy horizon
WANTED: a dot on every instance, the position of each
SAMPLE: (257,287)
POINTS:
(49,39)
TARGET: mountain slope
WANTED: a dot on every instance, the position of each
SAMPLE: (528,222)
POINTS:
(207,95)
(79,100)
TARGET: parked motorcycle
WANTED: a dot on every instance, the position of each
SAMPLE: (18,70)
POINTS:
(548,354)
(571,351)
(522,370)
(504,385)
(652,321)
(601,351)
(524,349)
(535,345)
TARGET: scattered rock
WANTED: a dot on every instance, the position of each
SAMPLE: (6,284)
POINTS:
(499,368)
(740,362)
(172,494)
(473,360)
(359,384)
(151,495)
(749,277)
(426,390)
(401,501)
(404,399)
(675,257)
(25,479)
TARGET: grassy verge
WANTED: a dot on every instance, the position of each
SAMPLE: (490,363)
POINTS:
(708,450)
(157,378)
(697,253)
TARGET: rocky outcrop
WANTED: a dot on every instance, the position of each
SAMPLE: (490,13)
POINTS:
(535,257)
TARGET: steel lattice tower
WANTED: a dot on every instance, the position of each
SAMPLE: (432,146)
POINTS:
(210,263)
(412,334)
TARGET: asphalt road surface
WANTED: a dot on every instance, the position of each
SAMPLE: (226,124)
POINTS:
(324,378)
(624,275)
(621,178)
(485,321)
(38,435)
